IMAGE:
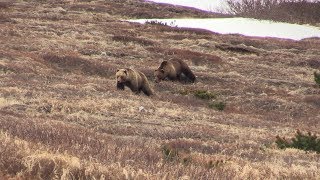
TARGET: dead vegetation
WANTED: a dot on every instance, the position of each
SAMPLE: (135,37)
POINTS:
(238,48)
(73,63)
(293,11)
(62,117)
(126,39)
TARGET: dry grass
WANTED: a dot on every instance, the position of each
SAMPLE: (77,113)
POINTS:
(62,117)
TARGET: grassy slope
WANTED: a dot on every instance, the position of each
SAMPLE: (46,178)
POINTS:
(61,115)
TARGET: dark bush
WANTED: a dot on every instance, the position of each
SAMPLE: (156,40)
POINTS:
(317,77)
(306,142)
(203,94)
(155,22)
(217,105)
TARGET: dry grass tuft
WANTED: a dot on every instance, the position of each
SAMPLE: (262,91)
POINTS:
(238,48)
(126,39)
(62,117)
(196,57)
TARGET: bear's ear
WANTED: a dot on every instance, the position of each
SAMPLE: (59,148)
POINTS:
(125,71)
(118,70)
(164,63)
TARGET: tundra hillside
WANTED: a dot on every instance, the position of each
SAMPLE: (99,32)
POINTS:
(62,117)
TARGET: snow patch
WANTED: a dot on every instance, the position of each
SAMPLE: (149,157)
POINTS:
(244,26)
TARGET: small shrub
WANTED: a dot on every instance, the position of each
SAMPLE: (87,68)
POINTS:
(186,160)
(5,70)
(184,92)
(317,77)
(177,151)
(282,143)
(155,22)
(306,142)
(217,105)
(159,23)
(169,153)
(203,94)
(212,164)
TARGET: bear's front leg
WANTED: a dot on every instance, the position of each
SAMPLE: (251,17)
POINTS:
(137,92)
(179,77)
(120,86)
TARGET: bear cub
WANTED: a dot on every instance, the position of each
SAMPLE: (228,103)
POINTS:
(172,70)
(133,79)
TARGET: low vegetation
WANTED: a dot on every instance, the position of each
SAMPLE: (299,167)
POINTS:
(155,22)
(317,78)
(306,142)
(217,105)
(203,94)
(62,117)
(294,11)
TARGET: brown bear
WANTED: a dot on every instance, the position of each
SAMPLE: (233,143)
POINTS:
(133,79)
(172,70)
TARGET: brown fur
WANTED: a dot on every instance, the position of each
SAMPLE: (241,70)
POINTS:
(172,70)
(133,79)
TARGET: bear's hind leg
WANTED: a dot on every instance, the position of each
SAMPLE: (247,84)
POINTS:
(147,91)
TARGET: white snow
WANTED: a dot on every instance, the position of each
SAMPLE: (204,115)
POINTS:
(244,26)
(206,5)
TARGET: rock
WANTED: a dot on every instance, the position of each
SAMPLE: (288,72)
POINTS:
(142,109)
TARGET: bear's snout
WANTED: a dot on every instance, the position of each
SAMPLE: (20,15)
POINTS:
(157,80)
(120,80)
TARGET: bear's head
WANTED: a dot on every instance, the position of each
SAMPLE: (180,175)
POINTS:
(121,75)
(160,73)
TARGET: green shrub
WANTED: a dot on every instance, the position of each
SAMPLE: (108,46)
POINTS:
(306,142)
(317,77)
(203,94)
(217,105)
